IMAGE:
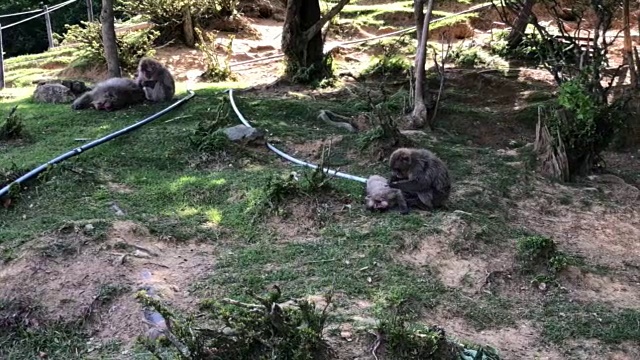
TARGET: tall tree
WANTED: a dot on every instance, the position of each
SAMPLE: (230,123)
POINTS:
(418,116)
(302,42)
(109,39)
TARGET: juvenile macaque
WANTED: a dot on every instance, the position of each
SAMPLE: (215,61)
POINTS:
(111,94)
(422,177)
(156,81)
(381,197)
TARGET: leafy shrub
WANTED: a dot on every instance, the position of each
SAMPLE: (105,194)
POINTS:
(215,69)
(132,46)
(540,253)
(392,62)
(586,124)
(12,127)
(469,57)
(168,15)
(265,330)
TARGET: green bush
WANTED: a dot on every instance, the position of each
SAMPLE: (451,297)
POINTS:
(586,124)
(539,253)
(168,15)
(132,46)
(12,127)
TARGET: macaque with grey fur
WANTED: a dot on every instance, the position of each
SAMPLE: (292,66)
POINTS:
(421,176)
(156,80)
(111,94)
(381,197)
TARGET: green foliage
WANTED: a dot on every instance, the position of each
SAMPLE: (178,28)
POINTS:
(585,123)
(470,57)
(168,16)
(530,48)
(12,127)
(279,188)
(404,339)
(390,63)
(215,69)
(267,330)
(539,253)
(208,136)
(132,46)
(31,37)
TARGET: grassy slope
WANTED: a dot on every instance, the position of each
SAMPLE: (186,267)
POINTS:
(173,198)
(178,194)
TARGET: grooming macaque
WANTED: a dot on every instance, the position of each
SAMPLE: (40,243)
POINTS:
(422,177)
(111,94)
(381,197)
(155,80)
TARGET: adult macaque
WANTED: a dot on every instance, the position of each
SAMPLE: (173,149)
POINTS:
(111,94)
(381,197)
(155,80)
(420,173)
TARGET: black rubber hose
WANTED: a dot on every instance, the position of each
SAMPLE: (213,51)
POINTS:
(102,140)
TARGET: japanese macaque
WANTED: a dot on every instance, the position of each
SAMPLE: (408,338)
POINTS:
(111,94)
(156,81)
(422,177)
(381,197)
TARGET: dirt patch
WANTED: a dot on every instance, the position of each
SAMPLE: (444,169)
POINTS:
(68,285)
(466,273)
(602,235)
(519,342)
(586,286)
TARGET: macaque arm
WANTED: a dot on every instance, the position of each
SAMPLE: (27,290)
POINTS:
(402,203)
(411,186)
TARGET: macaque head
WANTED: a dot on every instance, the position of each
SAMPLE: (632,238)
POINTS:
(400,162)
(147,67)
(107,102)
(376,202)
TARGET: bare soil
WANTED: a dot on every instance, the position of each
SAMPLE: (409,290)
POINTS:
(68,286)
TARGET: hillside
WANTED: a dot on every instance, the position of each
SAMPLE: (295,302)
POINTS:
(197,221)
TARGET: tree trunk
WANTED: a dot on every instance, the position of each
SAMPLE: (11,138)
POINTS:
(187,28)
(109,39)
(302,43)
(520,24)
(418,14)
(628,52)
(418,116)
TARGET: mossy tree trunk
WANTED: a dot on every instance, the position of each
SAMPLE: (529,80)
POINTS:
(109,39)
(302,42)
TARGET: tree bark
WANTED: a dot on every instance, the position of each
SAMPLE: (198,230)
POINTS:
(628,51)
(418,116)
(418,14)
(520,24)
(302,43)
(187,28)
(109,39)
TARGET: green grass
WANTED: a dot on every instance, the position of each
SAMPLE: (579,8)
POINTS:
(564,321)
(180,192)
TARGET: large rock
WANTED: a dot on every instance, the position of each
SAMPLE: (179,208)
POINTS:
(53,94)
(244,134)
